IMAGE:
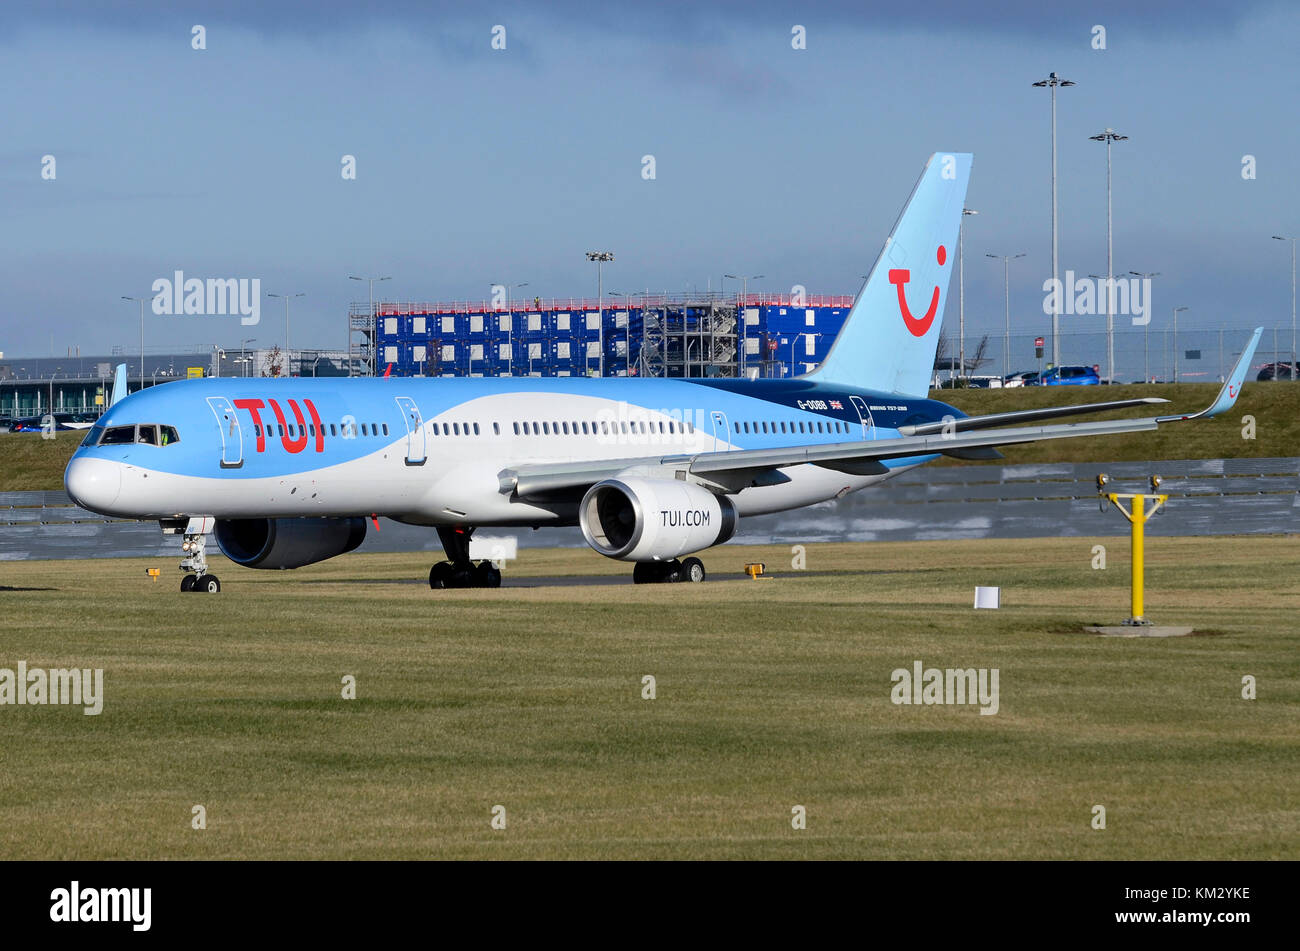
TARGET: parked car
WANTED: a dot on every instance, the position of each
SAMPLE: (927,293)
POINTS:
(1277,371)
(984,382)
(5,423)
(62,422)
(75,420)
(1068,376)
(1023,378)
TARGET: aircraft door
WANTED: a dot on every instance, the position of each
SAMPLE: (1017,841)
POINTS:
(864,416)
(721,434)
(232,440)
(415,444)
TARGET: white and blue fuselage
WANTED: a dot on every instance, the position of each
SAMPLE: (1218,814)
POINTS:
(432,451)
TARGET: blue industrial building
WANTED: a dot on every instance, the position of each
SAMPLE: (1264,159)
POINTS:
(651,335)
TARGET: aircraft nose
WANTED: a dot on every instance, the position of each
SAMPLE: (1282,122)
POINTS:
(93,483)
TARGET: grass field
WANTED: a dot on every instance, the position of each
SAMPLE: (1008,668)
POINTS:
(770,694)
(28,462)
(1274,406)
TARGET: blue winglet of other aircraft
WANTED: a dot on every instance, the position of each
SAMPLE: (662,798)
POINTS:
(1231,388)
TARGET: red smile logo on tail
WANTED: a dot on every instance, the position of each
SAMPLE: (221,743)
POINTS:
(899,277)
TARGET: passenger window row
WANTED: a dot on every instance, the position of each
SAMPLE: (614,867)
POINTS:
(293,431)
(460,429)
(601,428)
(807,428)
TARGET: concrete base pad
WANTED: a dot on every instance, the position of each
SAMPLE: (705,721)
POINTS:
(1128,630)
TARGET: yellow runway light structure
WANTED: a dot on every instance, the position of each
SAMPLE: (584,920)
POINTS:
(1137,514)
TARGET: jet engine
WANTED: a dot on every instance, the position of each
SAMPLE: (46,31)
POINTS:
(287,542)
(636,519)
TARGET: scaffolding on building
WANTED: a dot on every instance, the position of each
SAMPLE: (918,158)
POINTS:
(690,337)
(361,340)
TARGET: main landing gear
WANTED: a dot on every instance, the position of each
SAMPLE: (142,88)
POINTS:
(196,561)
(458,571)
(668,572)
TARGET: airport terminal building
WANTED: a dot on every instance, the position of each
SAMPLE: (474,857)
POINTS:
(31,386)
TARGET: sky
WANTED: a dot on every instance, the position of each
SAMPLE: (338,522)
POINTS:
(477,165)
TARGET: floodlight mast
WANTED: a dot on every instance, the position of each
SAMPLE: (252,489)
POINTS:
(1052,81)
(600,257)
(1109,136)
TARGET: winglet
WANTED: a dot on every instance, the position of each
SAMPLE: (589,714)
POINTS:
(1232,387)
(119,384)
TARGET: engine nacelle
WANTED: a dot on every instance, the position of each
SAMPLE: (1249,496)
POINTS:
(654,519)
(287,542)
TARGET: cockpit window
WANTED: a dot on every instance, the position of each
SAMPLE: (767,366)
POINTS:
(118,435)
(146,434)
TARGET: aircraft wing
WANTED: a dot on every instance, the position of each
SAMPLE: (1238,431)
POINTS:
(969,438)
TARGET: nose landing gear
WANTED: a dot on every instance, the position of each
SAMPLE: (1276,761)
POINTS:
(458,571)
(195,539)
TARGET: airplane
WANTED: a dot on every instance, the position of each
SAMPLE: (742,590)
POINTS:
(287,472)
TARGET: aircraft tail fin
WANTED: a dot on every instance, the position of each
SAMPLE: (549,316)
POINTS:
(889,339)
(119,384)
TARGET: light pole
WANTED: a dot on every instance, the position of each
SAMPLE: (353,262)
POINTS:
(220,354)
(793,339)
(1176,312)
(1146,330)
(243,352)
(744,327)
(141,300)
(744,283)
(1109,136)
(1006,296)
(1052,81)
(286,298)
(1102,277)
(600,257)
(374,345)
(961,289)
(1278,237)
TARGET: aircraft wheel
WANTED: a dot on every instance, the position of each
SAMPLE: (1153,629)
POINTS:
(487,575)
(440,576)
(643,572)
(208,584)
(672,572)
(692,570)
(187,583)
